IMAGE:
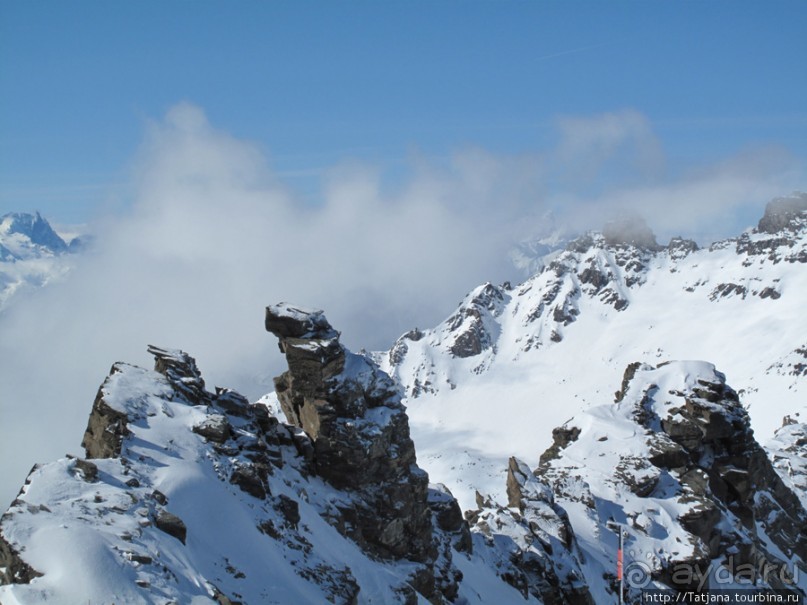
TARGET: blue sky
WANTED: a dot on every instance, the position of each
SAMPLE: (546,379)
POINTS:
(314,83)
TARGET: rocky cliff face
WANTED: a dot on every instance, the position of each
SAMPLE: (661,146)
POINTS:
(359,434)
(192,496)
(600,273)
(532,542)
(188,495)
(691,487)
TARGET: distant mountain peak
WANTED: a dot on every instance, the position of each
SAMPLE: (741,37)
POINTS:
(784,213)
(35,227)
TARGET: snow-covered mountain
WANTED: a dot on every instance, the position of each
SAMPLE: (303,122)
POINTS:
(32,253)
(190,496)
(557,413)
(512,362)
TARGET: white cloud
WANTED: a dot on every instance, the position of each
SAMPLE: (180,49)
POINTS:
(593,148)
(213,236)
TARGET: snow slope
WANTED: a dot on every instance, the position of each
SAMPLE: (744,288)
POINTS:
(673,465)
(194,497)
(511,363)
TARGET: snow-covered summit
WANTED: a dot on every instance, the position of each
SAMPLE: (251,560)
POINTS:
(552,345)
(33,228)
(674,465)
(193,496)
(32,253)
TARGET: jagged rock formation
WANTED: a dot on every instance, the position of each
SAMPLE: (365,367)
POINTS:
(188,495)
(777,236)
(34,228)
(784,213)
(534,546)
(554,342)
(602,267)
(692,487)
(359,432)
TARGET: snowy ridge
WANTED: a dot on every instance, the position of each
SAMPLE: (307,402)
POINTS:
(192,496)
(189,496)
(556,343)
(672,463)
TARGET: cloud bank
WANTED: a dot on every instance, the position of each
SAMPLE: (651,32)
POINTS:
(213,235)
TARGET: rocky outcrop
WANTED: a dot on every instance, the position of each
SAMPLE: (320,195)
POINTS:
(359,433)
(778,236)
(181,371)
(692,452)
(532,543)
(106,427)
(472,326)
(171,524)
(175,469)
(783,213)
(13,570)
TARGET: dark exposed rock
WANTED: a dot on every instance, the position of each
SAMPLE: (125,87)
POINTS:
(232,402)
(159,497)
(170,524)
(214,428)
(287,321)
(700,454)
(106,428)
(469,323)
(358,430)
(88,469)
(782,213)
(13,570)
(769,292)
(449,517)
(543,559)
(468,343)
(680,247)
(561,437)
(630,372)
(180,369)
(726,290)
(251,478)
(725,472)
(289,509)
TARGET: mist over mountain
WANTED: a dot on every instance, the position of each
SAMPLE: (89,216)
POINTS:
(551,411)
(32,254)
